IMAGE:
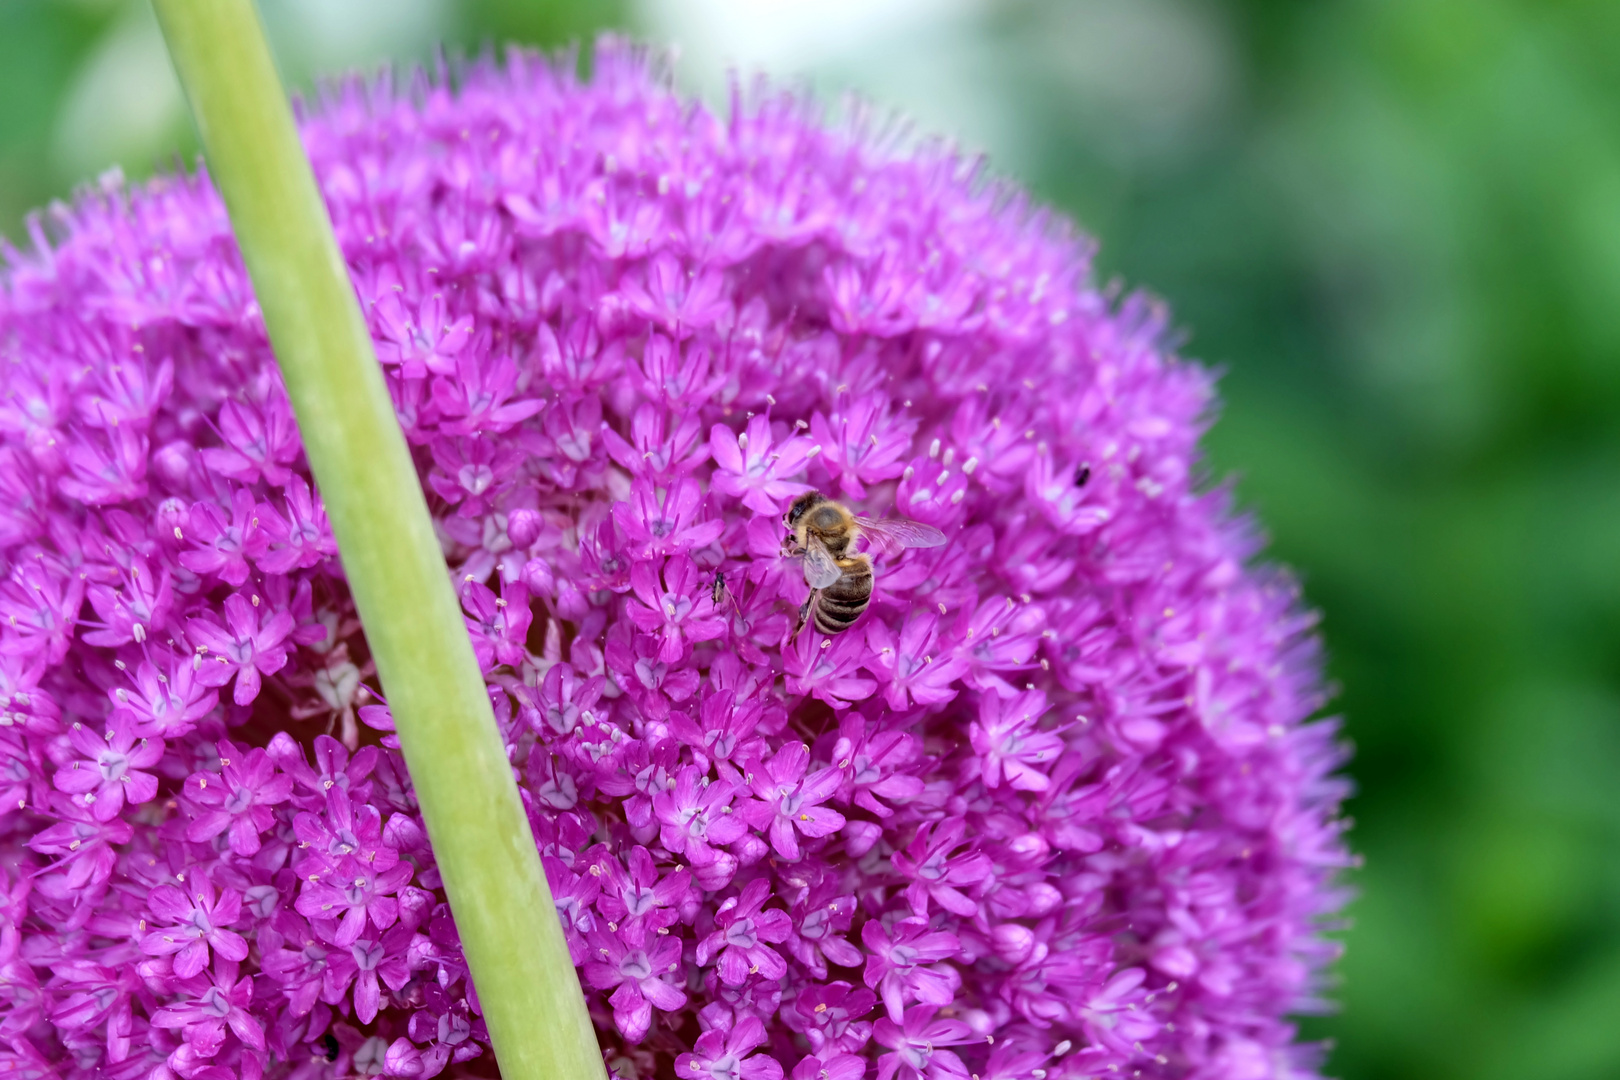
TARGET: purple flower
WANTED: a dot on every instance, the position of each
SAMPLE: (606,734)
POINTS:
(819,923)
(664,522)
(837,1067)
(675,376)
(750,467)
(448,1030)
(917,1046)
(27,999)
(787,802)
(679,609)
(344,832)
(651,451)
(25,1061)
(165,702)
(367,966)
(13,910)
(1058,786)
(479,398)
(638,977)
(354,892)
(832,1017)
(499,625)
(675,299)
(336,772)
(83,846)
(226,544)
(129,612)
(468,468)
(250,644)
(915,665)
(188,921)
(260,441)
(741,929)
(107,466)
(22,775)
(878,764)
(900,963)
(829,669)
(695,814)
(563,700)
(1010,1062)
(96,996)
(296,959)
(574,895)
(728,1055)
(39,609)
(109,773)
(640,900)
(237,799)
(724,730)
(863,444)
(938,874)
(220,1001)
(420,337)
(1009,743)
(298,539)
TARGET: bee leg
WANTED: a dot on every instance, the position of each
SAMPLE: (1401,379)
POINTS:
(804,614)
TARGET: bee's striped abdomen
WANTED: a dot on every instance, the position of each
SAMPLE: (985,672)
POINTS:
(841,603)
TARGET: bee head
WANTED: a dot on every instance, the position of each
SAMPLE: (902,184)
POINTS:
(800,505)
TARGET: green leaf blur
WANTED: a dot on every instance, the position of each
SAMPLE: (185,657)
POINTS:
(1395,225)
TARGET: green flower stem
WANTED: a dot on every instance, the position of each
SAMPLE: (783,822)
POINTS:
(509,929)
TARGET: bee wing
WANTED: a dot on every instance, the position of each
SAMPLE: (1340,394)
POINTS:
(820,568)
(897,534)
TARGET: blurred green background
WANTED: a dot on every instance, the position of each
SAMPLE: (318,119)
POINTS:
(1395,224)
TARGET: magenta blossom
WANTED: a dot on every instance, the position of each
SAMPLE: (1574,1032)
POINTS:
(638,978)
(237,799)
(940,872)
(918,1047)
(831,1017)
(722,1055)
(1010,745)
(789,802)
(109,774)
(354,892)
(190,919)
(165,701)
(695,814)
(641,901)
(218,1003)
(1055,802)
(900,963)
(750,466)
(247,645)
(741,932)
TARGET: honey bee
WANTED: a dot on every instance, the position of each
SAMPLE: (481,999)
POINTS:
(840,580)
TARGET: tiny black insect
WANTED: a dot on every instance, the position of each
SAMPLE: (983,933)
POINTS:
(718,591)
(1082,474)
(329,1043)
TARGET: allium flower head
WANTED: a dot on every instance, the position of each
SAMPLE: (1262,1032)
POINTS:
(1053,806)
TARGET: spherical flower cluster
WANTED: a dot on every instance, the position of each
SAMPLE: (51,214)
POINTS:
(1053,807)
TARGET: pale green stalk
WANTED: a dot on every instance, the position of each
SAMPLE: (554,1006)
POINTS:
(509,929)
